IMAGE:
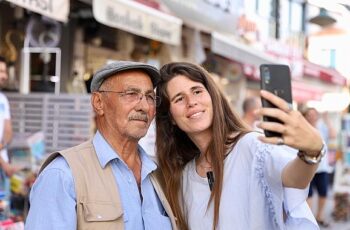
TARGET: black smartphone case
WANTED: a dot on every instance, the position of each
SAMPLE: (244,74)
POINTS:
(275,79)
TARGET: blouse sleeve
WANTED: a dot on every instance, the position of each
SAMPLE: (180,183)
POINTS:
(272,160)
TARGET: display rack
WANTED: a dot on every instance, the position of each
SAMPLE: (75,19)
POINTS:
(341,186)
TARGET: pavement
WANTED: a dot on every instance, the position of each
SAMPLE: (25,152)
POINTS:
(334,225)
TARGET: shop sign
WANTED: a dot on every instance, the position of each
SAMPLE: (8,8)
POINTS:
(248,29)
(139,19)
(56,9)
(212,15)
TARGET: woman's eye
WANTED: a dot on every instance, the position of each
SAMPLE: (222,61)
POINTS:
(178,99)
(196,92)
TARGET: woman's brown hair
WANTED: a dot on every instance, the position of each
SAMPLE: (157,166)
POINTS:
(175,149)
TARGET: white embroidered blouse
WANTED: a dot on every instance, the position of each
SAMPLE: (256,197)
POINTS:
(253,196)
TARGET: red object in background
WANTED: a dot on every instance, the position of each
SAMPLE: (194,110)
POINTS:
(150,3)
(303,92)
(323,73)
(6,223)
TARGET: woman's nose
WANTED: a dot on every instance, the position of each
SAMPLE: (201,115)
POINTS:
(191,101)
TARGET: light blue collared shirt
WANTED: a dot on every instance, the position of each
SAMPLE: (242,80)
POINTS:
(53,198)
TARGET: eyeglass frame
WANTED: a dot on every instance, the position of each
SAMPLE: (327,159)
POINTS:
(156,99)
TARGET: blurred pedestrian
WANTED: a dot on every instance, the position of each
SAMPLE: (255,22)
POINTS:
(321,179)
(250,105)
(218,174)
(6,132)
(108,182)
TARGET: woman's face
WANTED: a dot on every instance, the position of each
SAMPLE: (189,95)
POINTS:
(190,105)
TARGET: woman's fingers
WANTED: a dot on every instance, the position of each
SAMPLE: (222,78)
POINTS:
(294,129)
(274,113)
(272,140)
(272,126)
(277,101)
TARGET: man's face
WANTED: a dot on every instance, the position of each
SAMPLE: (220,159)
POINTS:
(122,116)
(3,74)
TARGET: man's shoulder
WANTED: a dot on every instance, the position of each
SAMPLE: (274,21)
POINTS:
(81,147)
(58,164)
(58,159)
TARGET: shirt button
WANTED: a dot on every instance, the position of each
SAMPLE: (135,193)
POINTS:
(99,217)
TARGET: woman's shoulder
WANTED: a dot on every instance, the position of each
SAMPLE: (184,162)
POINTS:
(246,146)
(249,140)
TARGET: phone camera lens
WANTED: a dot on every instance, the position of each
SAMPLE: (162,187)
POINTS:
(266,75)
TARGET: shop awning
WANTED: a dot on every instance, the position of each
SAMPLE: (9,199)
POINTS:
(303,92)
(228,47)
(58,9)
(138,19)
(323,73)
(207,15)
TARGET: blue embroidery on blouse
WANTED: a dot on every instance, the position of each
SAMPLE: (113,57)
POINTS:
(263,151)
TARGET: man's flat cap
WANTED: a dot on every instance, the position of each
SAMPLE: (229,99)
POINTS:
(120,66)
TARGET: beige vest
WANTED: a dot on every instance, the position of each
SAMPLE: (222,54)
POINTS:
(97,195)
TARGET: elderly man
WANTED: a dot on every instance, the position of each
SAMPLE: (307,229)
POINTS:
(108,182)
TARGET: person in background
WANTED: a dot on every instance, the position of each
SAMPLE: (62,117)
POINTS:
(321,179)
(250,105)
(6,132)
(217,174)
(108,182)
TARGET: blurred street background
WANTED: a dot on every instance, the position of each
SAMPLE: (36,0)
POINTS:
(53,48)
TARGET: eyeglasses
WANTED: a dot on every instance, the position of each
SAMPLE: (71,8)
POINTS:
(131,96)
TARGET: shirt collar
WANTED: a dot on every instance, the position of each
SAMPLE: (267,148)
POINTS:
(105,154)
(104,151)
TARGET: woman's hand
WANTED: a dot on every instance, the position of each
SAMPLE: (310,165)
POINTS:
(295,129)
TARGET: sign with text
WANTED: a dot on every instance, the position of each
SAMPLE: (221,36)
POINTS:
(139,19)
(56,9)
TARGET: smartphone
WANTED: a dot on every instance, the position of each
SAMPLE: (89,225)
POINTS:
(277,80)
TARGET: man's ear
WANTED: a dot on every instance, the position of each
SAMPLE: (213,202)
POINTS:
(97,103)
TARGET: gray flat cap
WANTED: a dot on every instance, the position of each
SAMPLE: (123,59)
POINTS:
(119,66)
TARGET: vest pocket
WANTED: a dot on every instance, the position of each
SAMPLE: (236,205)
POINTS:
(101,211)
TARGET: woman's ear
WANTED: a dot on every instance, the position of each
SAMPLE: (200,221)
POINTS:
(97,103)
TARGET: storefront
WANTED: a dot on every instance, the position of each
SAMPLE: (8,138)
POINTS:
(32,24)
(122,30)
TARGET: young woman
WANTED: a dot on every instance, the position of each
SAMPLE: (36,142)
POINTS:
(218,174)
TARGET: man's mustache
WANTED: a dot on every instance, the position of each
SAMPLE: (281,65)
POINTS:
(138,117)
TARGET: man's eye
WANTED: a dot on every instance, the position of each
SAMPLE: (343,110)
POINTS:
(150,97)
(131,94)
